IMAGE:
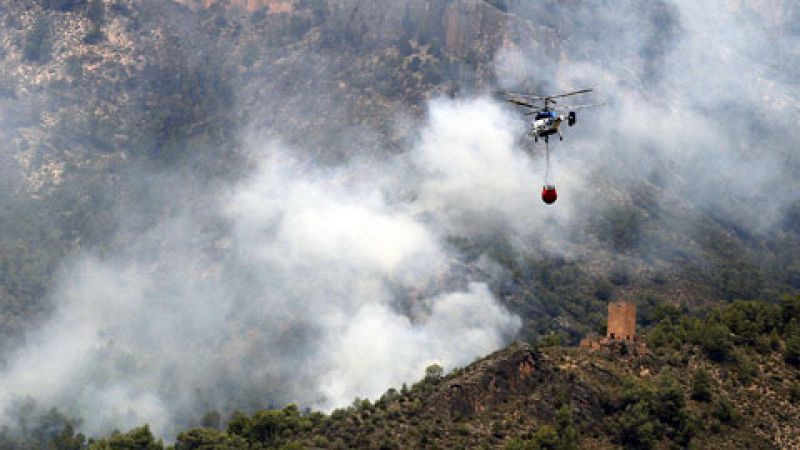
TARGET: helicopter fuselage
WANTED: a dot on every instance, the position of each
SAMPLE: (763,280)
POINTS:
(545,124)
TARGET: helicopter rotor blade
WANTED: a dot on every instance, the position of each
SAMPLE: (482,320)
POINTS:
(520,101)
(547,98)
(568,94)
(577,107)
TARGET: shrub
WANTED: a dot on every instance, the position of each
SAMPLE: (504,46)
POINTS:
(546,437)
(701,386)
(139,438)
(715,340)
(434,372)
(791,352)
(746,370)
(551,340)
(725,411)
(637,427)
(794,393)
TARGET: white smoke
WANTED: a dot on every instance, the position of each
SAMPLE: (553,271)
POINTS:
(322,285)
(695,101)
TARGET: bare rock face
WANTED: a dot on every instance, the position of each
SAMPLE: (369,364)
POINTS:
(273,6)
(491,383)
(468,23)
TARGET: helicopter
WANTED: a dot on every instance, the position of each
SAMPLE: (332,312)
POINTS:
(546,122)
(547,119)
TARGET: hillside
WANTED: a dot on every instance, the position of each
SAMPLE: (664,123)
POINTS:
(211,207)
(693,389)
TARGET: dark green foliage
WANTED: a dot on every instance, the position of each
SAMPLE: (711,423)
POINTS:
(270,427)
(794,393)
(790,309)
(568,433)
(746,370)
(637,427)
(664,335)
(551,340)
(725,411)
(434,372)
(651,413)
(136,439)
(749,319)
(603,290)
(669,403)
(38,41)
(701,386)
(716,341)
(738,281)
(205,438)
(238,423)
(749,324)
(791,351)
(546,438)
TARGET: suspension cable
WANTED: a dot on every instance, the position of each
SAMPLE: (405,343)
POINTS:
(547,178)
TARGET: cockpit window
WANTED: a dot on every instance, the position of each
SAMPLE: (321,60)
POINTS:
(545,115)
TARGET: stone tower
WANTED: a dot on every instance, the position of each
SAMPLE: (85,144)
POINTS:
(621,321)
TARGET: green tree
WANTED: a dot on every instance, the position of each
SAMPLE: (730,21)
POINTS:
(701,386)
(136,439)
(567,431)
(790,309)
(434,372)
(791,352)
(271,427)
(238,424)
(715,340)
(794,393)
(205,438)
(551,340)
(725,411)
(545,438)
(669,403)
(637,427)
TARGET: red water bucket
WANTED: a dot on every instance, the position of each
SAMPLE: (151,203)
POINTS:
(549,194)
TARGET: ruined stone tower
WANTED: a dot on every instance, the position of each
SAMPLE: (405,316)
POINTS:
(621,337)
(621,321)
